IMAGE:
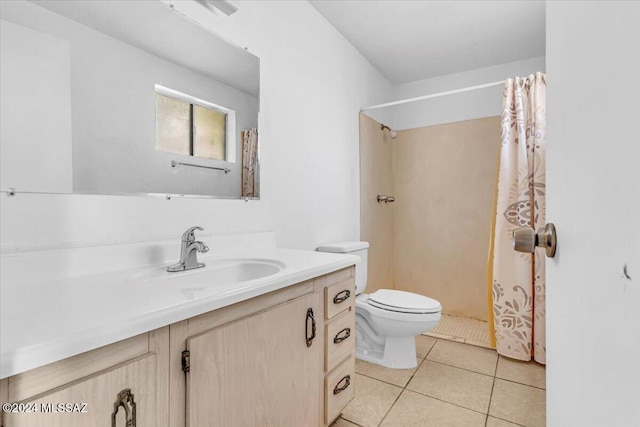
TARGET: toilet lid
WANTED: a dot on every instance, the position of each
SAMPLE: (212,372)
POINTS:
(406,302)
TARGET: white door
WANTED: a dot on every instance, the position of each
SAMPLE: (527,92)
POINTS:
(593,197)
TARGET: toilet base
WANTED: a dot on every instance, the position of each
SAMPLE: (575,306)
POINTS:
(398,353)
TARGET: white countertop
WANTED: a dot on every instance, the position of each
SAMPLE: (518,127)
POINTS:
(46,320)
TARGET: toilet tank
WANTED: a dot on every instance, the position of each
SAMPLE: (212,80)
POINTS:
(359,249)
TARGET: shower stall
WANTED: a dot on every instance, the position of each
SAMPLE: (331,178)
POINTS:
(433,240)
(437,157)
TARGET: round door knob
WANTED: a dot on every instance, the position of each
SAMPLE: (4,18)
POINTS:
(526,240)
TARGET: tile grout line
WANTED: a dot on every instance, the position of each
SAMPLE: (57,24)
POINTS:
(491,396)
(492,387)
(382,381)
(447,402)
(405,386)
(507,421)
(441,400)
(348,420)
(407,383)
(436,398)
(493,384)
(464,369)
(422,359)
(432,397)
(519,383)
(481,373)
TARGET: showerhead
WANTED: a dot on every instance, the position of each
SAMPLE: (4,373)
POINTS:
(392,132)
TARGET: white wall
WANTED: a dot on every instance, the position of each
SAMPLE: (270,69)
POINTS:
(313,83)
(34,75)
(464,106)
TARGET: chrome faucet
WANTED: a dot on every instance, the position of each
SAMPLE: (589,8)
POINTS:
(189,252)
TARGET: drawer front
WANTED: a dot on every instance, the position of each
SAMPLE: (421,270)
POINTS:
(339,297)
(339,338)
(339,276)
(339,389)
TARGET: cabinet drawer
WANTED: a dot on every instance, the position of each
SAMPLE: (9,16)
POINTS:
(339,297)
(339,276)
(339,339)
(339,389)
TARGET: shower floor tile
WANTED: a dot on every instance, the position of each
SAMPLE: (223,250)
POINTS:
(462,329)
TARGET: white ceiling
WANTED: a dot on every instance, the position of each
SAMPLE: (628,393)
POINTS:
(409,40)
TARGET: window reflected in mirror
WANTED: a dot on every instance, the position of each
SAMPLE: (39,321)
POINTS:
(210,133)
(173,125)
(186,127)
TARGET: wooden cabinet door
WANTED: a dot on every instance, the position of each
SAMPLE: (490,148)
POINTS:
(92,400)
(257,371)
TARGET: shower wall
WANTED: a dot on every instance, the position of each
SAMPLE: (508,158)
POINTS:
(443,178)
(376,219)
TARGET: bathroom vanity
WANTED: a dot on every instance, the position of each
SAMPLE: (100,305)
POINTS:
(282,357)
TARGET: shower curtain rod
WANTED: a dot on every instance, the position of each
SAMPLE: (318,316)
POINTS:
(433,95)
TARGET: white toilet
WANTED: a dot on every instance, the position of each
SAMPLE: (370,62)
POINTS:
(387,321)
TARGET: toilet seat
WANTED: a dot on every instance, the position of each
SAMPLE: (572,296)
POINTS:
(403,302)
(363,303)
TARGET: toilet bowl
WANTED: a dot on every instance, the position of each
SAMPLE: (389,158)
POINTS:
(387,321)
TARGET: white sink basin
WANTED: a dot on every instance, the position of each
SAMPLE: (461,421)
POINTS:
(215,273)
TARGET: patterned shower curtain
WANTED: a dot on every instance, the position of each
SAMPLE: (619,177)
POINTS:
(519,278)
(250,165)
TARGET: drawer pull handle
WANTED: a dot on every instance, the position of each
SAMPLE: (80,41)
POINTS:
(125,400)
(311,336)
(347,382)
(346,334)
(342,296)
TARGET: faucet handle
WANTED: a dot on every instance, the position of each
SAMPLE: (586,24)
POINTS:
(189,236)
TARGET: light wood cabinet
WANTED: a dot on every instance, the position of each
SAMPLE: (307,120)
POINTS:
(257,371)
(249,364)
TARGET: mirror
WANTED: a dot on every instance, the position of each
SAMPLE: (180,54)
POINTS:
(111,97)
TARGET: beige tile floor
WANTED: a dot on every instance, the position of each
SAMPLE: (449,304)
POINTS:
(454,385)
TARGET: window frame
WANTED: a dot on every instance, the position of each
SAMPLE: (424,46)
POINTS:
(230,132)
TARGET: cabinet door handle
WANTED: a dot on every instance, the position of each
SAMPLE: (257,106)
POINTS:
(347,382)
(346,334)
(125,399)
(310,326)
(342,296)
